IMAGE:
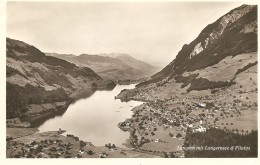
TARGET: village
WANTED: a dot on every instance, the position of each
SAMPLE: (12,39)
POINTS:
(160,125)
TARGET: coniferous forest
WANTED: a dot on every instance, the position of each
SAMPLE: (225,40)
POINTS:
(225,142)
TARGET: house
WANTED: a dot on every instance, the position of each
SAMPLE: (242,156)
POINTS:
(189,125)
(202,105)
(200,129)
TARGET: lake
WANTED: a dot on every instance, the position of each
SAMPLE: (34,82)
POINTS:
(94,119)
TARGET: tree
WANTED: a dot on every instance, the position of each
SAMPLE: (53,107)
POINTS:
(82,144)
(33,143)
(165,155)
(178,135)
(109,146)
(170,134)
(152,133)
(113,146)
(94,85)
(38,149)
(90,152)
(172,155)
(75,138)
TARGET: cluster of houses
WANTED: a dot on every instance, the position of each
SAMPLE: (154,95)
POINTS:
(183,116)
(42,149)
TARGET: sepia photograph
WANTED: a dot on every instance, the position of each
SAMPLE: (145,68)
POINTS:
(89,79)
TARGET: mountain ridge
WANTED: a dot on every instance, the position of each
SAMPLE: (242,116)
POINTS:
(114,66)
(232,35)
(210,37)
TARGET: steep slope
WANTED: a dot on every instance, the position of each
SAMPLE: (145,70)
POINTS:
(37,83)
(111,66)
(232,34)
(215,59)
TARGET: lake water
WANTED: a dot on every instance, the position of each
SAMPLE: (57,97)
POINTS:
(94,119)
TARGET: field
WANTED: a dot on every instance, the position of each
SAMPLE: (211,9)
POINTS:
(246,122)
(20,132)
(165,143)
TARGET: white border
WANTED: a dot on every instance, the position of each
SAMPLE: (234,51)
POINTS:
(92,161)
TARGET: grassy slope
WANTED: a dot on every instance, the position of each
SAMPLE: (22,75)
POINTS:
(33,78)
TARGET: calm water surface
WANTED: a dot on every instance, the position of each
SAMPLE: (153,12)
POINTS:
(94,119)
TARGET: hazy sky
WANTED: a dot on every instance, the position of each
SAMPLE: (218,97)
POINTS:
(153,32)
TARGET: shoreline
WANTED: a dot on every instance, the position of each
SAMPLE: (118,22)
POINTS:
(39,113)
(28,134)
(136,138)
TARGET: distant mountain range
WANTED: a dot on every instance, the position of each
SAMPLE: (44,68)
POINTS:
(114,66)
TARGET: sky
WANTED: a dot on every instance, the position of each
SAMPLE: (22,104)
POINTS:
(153,32)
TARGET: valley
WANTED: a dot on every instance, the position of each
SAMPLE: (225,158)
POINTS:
(203,101)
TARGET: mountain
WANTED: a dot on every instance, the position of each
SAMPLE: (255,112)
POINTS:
(219,65)
(132,62)
(39,84)
(112,66)
(233,37)
(206,96)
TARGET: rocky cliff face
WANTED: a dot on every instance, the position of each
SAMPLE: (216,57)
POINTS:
(232,34)
(37,83)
